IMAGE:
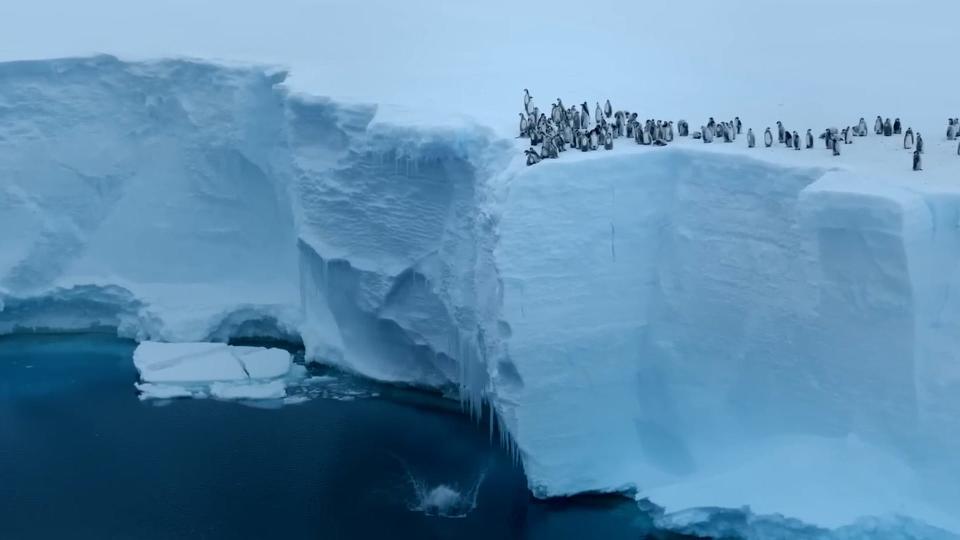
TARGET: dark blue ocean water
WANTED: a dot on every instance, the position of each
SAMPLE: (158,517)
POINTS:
(82,457)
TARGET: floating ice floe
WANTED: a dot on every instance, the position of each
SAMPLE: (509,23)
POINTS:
(218,370)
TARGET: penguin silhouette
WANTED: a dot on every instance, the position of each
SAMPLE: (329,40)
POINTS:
(809,139)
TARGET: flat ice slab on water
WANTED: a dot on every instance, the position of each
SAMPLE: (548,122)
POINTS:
(169,370)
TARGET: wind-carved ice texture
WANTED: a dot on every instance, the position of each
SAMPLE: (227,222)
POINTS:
(696,324)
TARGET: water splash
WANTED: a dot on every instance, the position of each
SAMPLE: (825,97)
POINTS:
(442,500)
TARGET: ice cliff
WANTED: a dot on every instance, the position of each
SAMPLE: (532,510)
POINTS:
(700,325)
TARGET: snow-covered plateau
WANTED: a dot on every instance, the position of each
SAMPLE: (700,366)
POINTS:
(701,325)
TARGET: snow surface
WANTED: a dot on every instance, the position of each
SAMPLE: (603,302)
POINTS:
(170,370)
(705,325)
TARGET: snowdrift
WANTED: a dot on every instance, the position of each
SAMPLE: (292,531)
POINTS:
(702,325)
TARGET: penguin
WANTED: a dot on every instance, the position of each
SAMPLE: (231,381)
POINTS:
(767,138)
(527,101)
(780,130)
(846,136)
(608,140)
(598,114)
(532,156)
(917,166)
(727,130)
(751,140)
(683,129)
(919,143)
(550,149)
(607,109)
(584,116)
(523,126)
(707,134)
(796,140)
(788,139)
(809,139)
(594,138)
(584,142)
(878,126)
(897,127)
(739,124)
(951,131)
(887,128)
(836,146)
(828,138)
(696,135)
(908,139)
(958,149)
(669,131)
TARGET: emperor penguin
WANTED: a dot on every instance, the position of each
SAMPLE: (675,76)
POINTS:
(862,127)
(727,136)
(607,109)
(846,136)
(669,131)
(878,126)
(908,139)
(608,140)
(739,124)
(598,114)
(751,140)
(836,146)
(523,125)
(919,143)
(809,139)
(796,140)
(707,134)
(897,127)
(532,156)
(887,128)
(683,128)
(788,139)
(584,141)
(951,131)
(780,132)
(527,101)
(576,119)
(767,138)
(594,138)
(917,166)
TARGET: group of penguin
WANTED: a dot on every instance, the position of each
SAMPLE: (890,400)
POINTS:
(576,129)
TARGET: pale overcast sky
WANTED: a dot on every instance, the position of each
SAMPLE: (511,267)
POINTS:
(769,57)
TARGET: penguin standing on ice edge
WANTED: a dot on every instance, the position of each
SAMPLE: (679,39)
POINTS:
(751,140)
(767,138)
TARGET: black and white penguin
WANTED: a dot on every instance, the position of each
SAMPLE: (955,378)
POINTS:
(683,128)
(846,136)
(836,146)
(796,140)
(908,139)
(887,128)
(527,102)
(919,143)
(727,131)
(951,131)
(878,126)
(739,124)
(584,141)
(917,165)
(584,116)
(788,139)
(532,156)
(668,131)
(707,134)
(607,109)
(523,126)
(809,139)
(767,138)
(751,140)
(608,140)
(780,132)
(897,127)
(595,138)
(598,114)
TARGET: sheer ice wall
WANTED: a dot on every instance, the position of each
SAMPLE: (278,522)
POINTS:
(699,326)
